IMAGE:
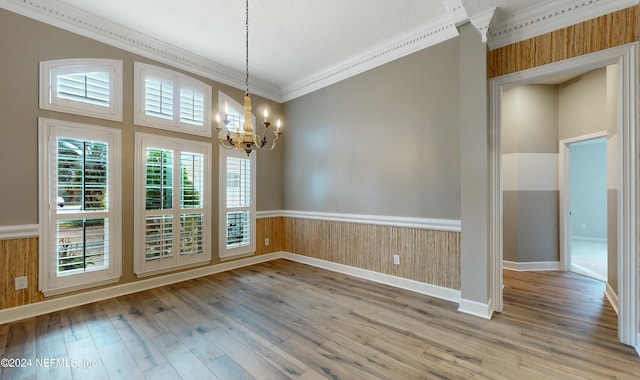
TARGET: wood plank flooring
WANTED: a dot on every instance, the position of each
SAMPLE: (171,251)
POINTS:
(284,320)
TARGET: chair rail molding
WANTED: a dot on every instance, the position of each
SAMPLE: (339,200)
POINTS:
(19,231)
(451,225)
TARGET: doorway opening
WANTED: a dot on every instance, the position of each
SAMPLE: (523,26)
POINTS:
(587,222)
(626,164)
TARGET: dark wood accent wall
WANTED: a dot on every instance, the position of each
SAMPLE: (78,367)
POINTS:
(601,33)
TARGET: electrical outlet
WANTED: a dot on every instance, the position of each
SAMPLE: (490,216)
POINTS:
(396,259)
(266,242)
(21,282)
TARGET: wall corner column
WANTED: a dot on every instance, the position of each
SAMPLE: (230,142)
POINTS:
(474,173)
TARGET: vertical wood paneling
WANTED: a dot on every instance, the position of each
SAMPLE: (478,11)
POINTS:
(601,33)
(427,256)
(18,257)
(272,228)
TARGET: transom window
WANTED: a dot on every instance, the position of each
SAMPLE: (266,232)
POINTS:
(170,100)
(89,87)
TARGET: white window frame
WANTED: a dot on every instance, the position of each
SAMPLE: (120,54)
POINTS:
(141,266)
(49,99)
(141,71)
(49,212)
(224,101)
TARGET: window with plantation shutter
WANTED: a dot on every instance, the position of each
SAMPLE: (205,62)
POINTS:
(80,207)
(237,191)
(170,100)
(172,212)
(89,87)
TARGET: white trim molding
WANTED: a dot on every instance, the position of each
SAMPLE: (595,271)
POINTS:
(381,278)
(478,309)
(531,266)
(19,231)
(428,35)
(65,302)
(457,10)
(564,182)
(482,22)
(72,19)
(452,225)
(611,295)
(549,16)
(67,17)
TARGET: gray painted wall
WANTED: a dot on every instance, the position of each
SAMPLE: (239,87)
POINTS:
(474,167)
(530,216)
(530,119)
(385,142)
(583,105)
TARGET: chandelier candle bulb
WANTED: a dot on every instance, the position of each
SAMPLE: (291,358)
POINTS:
(266,114)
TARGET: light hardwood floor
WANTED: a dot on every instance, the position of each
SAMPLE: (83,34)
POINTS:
(283,320)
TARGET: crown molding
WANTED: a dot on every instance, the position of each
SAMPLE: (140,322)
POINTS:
(481,21)
(64,16)
(457,10)
(435,32)
(548,17)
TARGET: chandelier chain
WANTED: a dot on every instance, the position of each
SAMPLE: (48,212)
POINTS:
(247,46)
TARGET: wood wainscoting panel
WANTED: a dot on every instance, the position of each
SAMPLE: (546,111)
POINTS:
(18,257)
(615,29)
(273,229)
(428,256)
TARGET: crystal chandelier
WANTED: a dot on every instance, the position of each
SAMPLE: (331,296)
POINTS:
(246,139)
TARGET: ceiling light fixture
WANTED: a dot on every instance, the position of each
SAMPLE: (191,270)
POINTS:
(246,139)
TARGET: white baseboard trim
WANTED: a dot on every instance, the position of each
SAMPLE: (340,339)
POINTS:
(532,266)
(612,296)
(19,231)
(451,225)
(68,301)
(589,238)
(482,310)
(398,282)
(56,304)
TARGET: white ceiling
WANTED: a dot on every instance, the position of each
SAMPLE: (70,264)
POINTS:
(289,40)
(295,46)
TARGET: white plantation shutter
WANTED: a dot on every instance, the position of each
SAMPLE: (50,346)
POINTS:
(89,87)
(170,100)
(171,203)
(158,97)
(191,106)
(239,200)
(80,205)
